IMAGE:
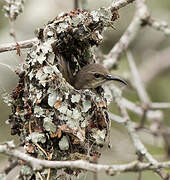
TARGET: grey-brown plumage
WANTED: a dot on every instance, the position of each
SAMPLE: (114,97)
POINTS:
(92,76)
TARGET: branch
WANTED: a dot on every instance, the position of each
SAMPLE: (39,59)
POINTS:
(129,35)
(12,165)
(141,151)
(162,105)
(155,62)
(137,80)
(119,4)
(141,17)
(76,4)
(29,43)
(159,25)
(140,148)
(138,110)
(22,44)
(81,164)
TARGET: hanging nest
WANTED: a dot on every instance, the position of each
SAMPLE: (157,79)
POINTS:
(54,120)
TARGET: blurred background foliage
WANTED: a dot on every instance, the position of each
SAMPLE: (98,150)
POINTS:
(147,43)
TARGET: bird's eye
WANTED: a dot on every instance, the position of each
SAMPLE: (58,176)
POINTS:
(96,75)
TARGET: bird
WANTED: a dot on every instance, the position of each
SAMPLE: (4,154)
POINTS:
(92,76)
(89,76)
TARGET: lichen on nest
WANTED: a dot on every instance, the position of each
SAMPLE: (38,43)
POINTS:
(54,120)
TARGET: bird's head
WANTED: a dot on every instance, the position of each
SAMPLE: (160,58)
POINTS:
(94,75)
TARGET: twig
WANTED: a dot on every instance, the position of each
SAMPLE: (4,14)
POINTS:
(137,80)
(140,148)
(128,36)
(12,10)
(115,54)
(13,34)
(163,175)
(12,165)
(76,4)
(139,87)
(119,4)
(142,15)
(116,118)
(140,175)
(159,26)
(141,151)
(161,105)
(40,175)
(40,148)
(22,45)
(8,66)
(154,62)
(157,114)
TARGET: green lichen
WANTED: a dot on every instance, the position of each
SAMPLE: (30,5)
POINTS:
(75,98)
(38,137)
(64,144)
(49,125)
(86,106)
(26,170)
(99,135)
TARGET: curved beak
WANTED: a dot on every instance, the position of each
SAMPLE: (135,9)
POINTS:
(116,78)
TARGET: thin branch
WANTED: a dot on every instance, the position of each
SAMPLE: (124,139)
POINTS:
(119,4)
(137,80)
(8,66)
(129,35)
(22,44)
(159,25)
(157,114)
(12,165)
(139,87)
(13,34)
(141,16)
(140,148)
(76,4)
(162,105)
(41,149)
(143,119)
(155,62)
(140,175)
(116,118)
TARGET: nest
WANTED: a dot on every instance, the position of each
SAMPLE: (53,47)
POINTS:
(54,120)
